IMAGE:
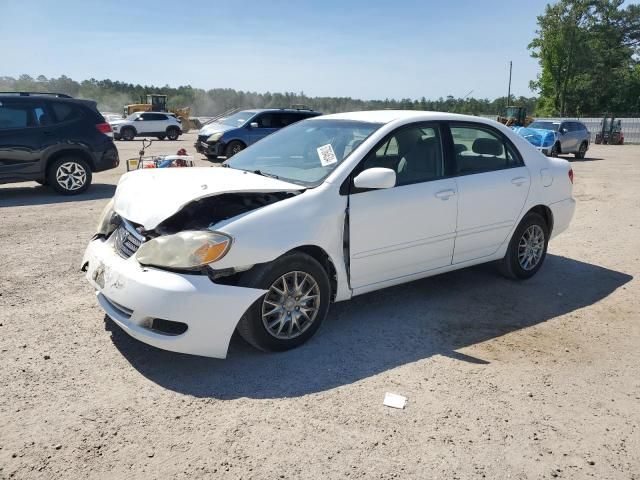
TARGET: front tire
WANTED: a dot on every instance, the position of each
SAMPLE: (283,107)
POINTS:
(233,148)
(294,307)
(69,175)
(527,248)
(582,151)
(555,150)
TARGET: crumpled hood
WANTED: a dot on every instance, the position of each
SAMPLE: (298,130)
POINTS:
(537,136)
(149,196)
(215,127)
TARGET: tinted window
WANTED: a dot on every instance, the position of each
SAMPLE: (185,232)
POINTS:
(153,116)
(414,153)
(22,115)
(481,150)
(267,120)
(65,112)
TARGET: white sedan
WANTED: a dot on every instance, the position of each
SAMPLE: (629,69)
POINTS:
(321,211)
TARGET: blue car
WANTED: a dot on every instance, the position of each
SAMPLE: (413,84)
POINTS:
(227,136)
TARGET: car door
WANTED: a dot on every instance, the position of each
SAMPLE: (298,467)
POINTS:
(268,122)
(145,123)
(493,185)
(24,126)
(409,228)
(567,137)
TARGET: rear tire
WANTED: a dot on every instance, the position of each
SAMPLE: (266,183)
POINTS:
(581,151)
(69,175)
(278,322)
(173,133)
(128,134)
(233,148)
(527,248)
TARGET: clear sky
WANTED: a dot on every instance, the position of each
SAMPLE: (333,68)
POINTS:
(358,48)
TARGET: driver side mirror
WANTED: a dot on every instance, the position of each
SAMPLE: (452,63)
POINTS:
(563,130)
(138,119)
(375,178)
(253,125)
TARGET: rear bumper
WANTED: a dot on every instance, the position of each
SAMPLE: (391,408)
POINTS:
(133,296)
(107,159)
(562,214)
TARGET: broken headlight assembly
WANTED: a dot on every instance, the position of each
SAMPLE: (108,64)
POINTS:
(184,250)
(109,220)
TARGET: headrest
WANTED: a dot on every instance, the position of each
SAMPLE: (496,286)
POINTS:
(487,146)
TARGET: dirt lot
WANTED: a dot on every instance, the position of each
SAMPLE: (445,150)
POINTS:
(504,380)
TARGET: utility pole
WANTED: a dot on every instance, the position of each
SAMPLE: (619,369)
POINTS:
(509,91)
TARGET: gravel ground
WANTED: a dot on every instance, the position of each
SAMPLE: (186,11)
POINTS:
(504,380)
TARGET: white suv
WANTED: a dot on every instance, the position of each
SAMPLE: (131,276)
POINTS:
(147,124)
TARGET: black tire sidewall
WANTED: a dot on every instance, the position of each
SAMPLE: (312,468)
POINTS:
(580,154)
(125,134)
(262,278)
(51,175)
(514,267)
(173,133)
(229,150)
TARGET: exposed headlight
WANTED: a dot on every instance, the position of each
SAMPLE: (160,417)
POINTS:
(109,220)
(215,137)
(184,250)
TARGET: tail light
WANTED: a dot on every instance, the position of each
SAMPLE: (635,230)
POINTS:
(104,128)
(571,175)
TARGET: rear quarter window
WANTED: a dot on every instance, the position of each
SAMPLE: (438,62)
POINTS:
(65,112)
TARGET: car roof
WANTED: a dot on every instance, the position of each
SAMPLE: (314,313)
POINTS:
(388,116)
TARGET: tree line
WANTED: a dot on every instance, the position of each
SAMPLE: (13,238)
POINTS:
(113,95)
(588,51)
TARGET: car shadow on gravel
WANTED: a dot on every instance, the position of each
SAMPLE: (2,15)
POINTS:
(35,194)
(379,331)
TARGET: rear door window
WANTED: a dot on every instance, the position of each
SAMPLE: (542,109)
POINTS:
(478,149)
(22,115)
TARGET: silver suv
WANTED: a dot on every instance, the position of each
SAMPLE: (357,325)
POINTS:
(568,137)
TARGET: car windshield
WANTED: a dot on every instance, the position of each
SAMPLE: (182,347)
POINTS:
(305,152)
(545,126)
(237,119)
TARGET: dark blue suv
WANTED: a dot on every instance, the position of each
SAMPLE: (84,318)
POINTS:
(227,136)
(53,139)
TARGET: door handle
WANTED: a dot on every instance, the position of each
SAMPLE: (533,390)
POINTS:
(445,194)
(519,181)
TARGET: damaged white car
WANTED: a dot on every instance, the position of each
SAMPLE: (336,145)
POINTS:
(323,210)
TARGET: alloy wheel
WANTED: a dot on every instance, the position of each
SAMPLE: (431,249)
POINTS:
(71,176)
(291,305)
(531,247)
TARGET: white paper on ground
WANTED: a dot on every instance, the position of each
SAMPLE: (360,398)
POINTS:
(394,400)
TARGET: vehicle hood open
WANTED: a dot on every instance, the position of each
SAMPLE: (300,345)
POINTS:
(149,196)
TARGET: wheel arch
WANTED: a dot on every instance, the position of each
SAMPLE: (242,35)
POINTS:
(72,153)
(324,259)
(546,213)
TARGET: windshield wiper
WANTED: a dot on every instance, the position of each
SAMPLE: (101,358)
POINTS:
(265,174)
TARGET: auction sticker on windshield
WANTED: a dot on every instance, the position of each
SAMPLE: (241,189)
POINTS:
(327,155)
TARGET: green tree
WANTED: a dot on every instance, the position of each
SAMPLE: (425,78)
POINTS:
(587,51)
